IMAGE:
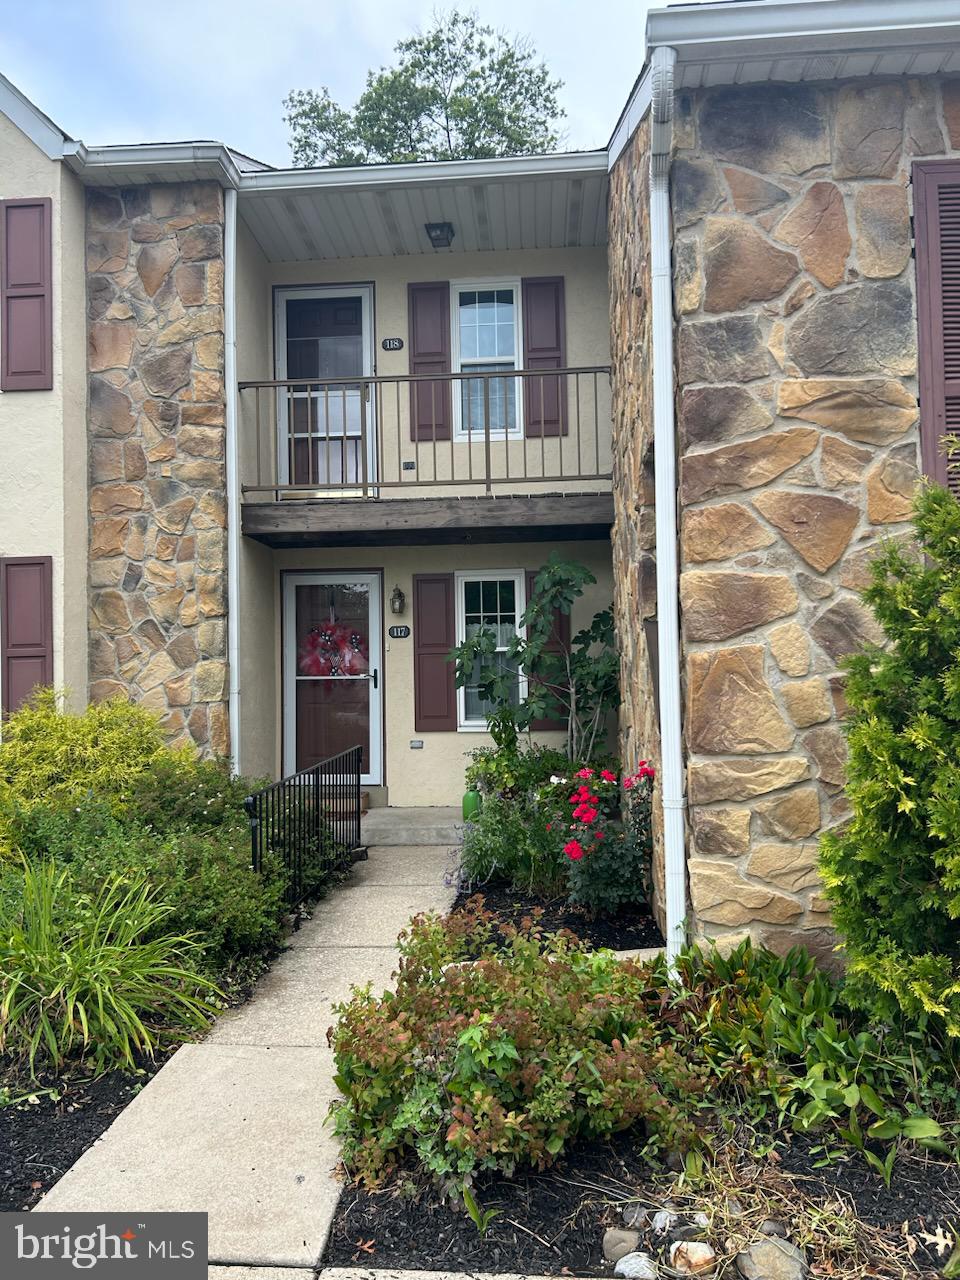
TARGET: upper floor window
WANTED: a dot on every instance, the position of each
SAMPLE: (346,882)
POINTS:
(487,339)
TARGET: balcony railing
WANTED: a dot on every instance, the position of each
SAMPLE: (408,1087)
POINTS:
(480,433)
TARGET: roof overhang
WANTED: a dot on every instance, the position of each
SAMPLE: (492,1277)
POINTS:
(746,41)
(531,202)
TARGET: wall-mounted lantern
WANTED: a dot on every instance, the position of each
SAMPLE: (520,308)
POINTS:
(398,601)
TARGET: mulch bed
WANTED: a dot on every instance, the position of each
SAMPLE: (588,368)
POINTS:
(553,1222)
(627,931)
(39,1141)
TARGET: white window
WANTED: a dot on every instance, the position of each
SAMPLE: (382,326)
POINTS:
(486,338)
(492,601)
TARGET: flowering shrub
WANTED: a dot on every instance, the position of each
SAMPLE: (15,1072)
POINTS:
(505,1061)
(609,864)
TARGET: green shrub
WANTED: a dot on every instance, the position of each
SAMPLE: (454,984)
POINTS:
(203,877)
(180,792)
(893,872)
(498,771)
(93,975)
(518,839)
(51,755)
(608,864)
(503,1062)
(506,1060)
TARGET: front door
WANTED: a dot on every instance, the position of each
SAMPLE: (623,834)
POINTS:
(327,432)
(332,669)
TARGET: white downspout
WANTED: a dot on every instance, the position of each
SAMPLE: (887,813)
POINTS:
(672,789)
(233,468)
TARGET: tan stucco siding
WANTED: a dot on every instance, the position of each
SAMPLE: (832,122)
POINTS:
(434,774)
(43,481)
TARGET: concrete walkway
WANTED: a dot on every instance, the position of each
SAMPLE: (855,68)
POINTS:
(234,1126)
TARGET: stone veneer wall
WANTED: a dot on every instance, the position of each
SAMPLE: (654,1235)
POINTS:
(794,289)
(634,564)
(156,437)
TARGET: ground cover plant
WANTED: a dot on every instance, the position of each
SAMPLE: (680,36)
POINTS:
(500,1048)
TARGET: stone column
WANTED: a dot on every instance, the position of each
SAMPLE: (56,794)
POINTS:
(797,368)
(634,562)
(156,438)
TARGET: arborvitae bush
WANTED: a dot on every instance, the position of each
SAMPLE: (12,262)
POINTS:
(893,872)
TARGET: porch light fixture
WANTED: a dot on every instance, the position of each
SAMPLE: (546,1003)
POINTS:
(440,234)
(398,601)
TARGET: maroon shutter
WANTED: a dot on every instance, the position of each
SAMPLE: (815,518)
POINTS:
(26,318)
(434,635)
(544,347)
(559,640)
(937,224)
(26,627)
(429,330)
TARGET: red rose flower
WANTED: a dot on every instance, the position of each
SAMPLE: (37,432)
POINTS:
(607,776)
(574,850)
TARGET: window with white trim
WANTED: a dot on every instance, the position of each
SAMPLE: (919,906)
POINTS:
(485,316)
(492,601)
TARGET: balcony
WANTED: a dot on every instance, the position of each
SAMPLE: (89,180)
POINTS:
(480,455)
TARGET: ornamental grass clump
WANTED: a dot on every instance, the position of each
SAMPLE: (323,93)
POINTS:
(892,873)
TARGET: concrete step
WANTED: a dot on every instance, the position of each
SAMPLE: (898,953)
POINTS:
(393,826)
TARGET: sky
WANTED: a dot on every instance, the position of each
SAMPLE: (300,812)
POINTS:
(114,71)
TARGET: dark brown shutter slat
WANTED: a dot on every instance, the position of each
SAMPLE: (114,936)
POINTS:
(937,227)
(434,635)
(544,347)
(559,640)
(431,413)
(26,627)
(26,315)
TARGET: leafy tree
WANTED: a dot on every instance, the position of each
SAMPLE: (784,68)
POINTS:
(578,683)
(893,872)
(459,91)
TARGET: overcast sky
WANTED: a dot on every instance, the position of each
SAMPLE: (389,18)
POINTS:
(115,71)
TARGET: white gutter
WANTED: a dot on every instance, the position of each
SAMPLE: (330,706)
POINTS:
(662,63)
(432,172)
(233,467)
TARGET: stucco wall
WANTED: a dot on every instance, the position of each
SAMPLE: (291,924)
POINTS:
(797,362)
(433,775)
(43,478)
(634,556)
(587,345)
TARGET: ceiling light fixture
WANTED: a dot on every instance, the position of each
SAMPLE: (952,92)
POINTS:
(440,234)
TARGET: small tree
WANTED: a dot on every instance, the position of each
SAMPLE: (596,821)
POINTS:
(578,682)
(893,872)
(459,91)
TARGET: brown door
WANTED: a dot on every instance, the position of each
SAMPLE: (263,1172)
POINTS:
(333,672)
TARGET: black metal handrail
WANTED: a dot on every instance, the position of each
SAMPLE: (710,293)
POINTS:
(377,436)
(310,822)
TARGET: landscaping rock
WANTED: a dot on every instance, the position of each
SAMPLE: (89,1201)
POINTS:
(692,1258)
(636,1266)
(634,1216)
(663,1221)
(772,1259)
(617,1243)
(774,1227)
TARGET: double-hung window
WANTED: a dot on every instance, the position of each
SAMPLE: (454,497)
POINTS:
(487,339)
(494,602)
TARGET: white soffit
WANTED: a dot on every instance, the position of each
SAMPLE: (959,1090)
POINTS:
(541,202)
(761,40)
